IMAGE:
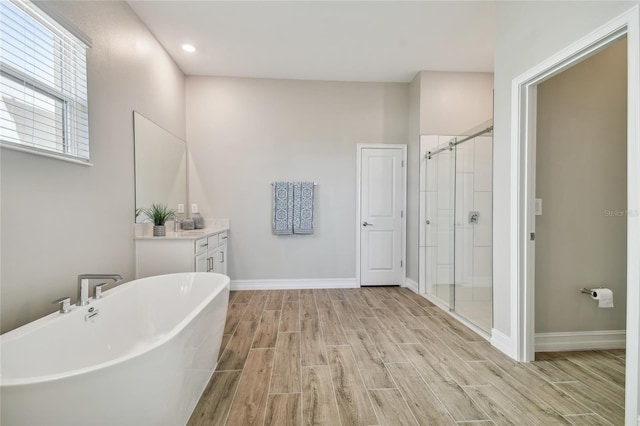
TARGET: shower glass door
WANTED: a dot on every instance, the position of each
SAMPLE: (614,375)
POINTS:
(457,245)
(472,231)
(440,226)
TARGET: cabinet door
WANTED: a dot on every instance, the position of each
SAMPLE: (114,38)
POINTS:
(222,259)
(202,262)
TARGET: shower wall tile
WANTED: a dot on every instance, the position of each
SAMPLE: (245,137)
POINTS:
(431,215)
(444,180)
(482,266)
(483,168)
(465,157)
(430,268)
(444,275)
(482,203)
(427,143)
(464,256)
(464,197)
(445,245)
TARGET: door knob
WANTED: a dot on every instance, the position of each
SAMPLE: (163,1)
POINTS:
(367,224)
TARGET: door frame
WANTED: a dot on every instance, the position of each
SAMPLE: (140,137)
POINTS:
(359,148)
(522,211)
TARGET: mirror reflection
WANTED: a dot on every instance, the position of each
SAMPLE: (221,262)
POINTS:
(160,166)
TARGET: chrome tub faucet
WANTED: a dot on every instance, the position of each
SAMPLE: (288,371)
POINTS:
(83,286)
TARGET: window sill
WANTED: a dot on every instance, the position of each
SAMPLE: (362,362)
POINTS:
(43,153)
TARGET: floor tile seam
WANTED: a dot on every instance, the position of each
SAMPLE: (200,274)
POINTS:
(275,353)
(594,372)
(428,386)
(590,414)
(233,399)
(535,399)
(601,396)
(361,380)
(333,387)
(406,403)
(402,394)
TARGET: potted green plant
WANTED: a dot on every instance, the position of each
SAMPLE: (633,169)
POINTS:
(158,214)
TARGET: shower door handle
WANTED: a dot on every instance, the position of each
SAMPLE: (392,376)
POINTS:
(367,224)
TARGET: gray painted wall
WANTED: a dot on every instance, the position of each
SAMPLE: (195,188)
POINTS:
(581,177)
(245,133)
(453,102)
(61,219)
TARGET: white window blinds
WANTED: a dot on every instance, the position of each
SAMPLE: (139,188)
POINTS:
(43,84)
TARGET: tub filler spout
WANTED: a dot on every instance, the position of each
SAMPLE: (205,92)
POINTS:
(83,286)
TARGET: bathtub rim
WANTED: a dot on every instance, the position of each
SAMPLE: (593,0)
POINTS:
(154,343)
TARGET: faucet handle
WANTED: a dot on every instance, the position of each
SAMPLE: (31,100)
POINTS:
(65,304)
(98,290)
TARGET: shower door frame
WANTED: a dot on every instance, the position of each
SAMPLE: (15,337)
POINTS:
(522,214)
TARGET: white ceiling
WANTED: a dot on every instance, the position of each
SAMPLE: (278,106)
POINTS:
(384,41)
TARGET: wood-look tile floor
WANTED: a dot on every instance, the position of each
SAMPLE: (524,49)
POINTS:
(386,356)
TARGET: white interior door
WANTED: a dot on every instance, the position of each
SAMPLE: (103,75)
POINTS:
(381,218)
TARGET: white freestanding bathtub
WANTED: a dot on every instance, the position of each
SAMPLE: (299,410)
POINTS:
(141,355)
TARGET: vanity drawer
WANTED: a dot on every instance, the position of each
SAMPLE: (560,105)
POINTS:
(222,238)
(202,244)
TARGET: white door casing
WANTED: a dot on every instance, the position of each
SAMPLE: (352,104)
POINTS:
(523,196)
(381,222)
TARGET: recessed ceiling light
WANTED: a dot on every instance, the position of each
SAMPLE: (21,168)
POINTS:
(188,48)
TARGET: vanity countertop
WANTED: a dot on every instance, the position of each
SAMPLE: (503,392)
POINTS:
(212,227)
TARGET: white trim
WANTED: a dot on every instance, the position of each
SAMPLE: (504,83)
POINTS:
(359,148)
(522,197)
(522,130)
(411,285)
(580,340)
(42,153)
(293,284)
(501,341)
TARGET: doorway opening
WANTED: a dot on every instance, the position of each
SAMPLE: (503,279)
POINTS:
(523,219)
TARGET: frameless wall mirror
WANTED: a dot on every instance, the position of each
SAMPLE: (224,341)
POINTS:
(160,166)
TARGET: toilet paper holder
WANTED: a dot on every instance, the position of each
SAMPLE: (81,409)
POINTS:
(589,291)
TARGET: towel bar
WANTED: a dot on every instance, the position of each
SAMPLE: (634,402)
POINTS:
(314,184)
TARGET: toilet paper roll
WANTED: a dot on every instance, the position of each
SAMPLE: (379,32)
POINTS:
(604,296)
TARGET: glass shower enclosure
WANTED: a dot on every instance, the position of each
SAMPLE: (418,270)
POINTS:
(456,223)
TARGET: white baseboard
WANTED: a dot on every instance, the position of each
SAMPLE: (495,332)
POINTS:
(580,340)
(411,285)
(293,284)
(502,342)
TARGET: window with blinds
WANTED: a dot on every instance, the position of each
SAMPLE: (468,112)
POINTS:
(43,84)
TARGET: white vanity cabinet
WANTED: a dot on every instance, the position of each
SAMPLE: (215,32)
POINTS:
(188,251)
(211,253)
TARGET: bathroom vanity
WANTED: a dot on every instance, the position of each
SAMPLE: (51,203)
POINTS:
(199,250)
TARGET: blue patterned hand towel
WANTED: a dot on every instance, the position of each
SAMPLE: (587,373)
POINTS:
(303,194)
(282,208)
